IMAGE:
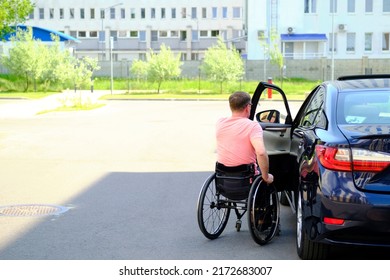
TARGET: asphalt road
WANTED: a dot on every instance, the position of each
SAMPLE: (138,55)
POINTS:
(128,175)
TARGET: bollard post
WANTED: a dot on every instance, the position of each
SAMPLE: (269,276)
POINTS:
(269,90)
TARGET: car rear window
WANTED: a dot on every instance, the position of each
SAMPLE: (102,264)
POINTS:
(368,107)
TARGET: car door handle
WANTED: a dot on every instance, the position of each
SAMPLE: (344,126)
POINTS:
(277,129)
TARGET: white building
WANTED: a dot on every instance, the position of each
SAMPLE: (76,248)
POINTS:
(305,28)
(311,28)
(188,28)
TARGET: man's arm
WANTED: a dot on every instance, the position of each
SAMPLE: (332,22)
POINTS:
(262,159)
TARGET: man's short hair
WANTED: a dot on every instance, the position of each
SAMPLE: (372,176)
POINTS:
(239,100)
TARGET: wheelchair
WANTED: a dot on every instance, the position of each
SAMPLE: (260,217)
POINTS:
(236,188)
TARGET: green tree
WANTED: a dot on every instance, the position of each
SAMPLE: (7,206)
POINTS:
(222,64)
(139,69)
(35,61)
(13,12)
(272,49)
(27,57)
(83,70)
(162,66)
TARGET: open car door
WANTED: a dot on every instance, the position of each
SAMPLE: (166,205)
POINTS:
(276,121)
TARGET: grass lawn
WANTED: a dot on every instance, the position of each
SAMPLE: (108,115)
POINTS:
(295,89)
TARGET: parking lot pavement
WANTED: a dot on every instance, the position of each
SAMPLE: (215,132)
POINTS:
(128,172)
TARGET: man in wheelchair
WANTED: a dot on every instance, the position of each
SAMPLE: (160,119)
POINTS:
(241,181)
(240,140)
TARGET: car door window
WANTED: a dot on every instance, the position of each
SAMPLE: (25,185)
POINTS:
(313,113)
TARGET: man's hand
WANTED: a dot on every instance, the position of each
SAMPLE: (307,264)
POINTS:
(269,179)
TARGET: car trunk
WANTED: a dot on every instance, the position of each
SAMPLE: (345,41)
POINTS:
(370,146)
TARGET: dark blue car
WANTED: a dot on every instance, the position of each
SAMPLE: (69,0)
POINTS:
(332,161)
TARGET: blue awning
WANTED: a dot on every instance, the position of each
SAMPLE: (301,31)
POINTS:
(303,37)
(44,34)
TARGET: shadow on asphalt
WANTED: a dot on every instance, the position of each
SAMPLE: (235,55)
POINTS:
(145,216)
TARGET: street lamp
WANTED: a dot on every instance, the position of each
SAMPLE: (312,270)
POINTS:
(103,16)
(111,44)
(111,65)
(333,37)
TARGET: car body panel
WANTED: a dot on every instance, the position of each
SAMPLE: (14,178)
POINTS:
(359,199)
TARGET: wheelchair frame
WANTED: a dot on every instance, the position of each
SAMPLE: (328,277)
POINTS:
(262,204)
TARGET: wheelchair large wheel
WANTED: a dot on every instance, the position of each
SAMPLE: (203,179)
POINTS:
(263,211)
(212,213)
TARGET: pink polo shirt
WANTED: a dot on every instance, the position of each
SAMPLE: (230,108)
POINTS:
(234,136)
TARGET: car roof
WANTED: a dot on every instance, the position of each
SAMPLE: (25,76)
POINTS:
(363,82)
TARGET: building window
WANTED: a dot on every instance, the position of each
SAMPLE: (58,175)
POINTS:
(214,12)
(386,6)
(310,6)
(82,34)
(132,13)
(112,13)
(114,35)
(224,12)
(123,13)
(163,15)
(236,12)
(194,13)
(61,13)
(351,42)
(51,13)
(183,12)
(153,13)
(351,6)
(214,33)
(204,12)
(142,56)
(143,14)
(73,33)
(173,13)
(142,35)
(93,34)
(163,34)
(82,13)
(154,36)
(194,56)
(41,13)
(92,12)
(369,6)
(122,33)
(183,56)
(183,35)
(385,41)
(102,36)
(31,15)
(71,13)
(368,42)
(195,35)
(333,6)
(174,33)
(133,34)
(203,33)
(102,14)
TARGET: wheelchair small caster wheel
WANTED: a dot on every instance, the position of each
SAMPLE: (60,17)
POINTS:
(238,225)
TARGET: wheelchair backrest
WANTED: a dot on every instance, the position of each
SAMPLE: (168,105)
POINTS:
(234,182)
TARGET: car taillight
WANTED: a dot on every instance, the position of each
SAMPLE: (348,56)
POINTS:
(333,221)
(340,159)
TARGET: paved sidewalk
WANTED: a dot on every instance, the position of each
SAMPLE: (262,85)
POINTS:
(22,108)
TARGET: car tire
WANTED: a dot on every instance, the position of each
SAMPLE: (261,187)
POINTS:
(307,249)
